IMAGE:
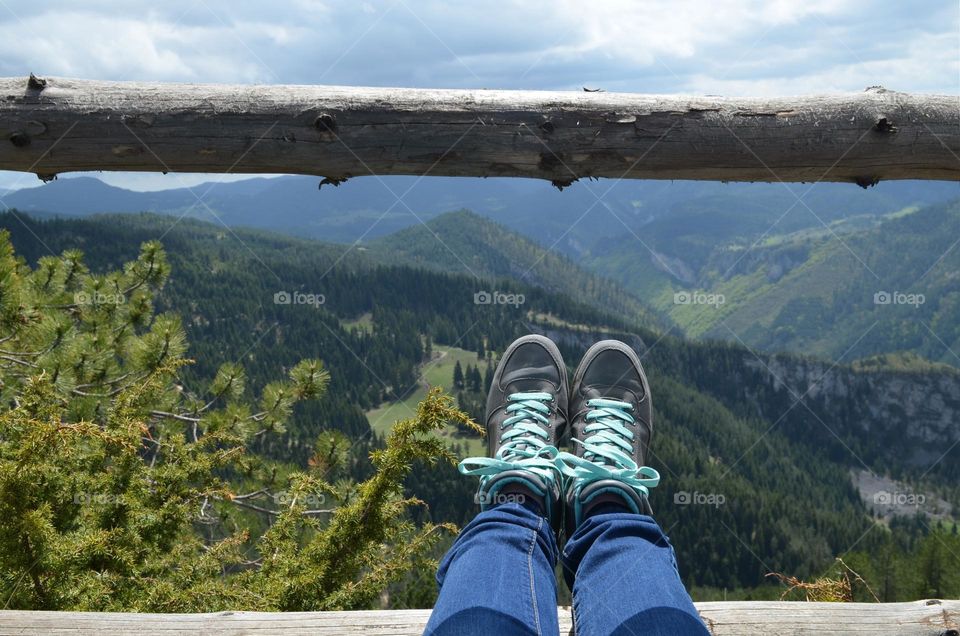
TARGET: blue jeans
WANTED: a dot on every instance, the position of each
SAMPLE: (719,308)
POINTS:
(498,578)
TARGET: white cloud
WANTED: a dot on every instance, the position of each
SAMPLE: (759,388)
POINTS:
(86,44)
(641,31)
(643,45)
(919,62)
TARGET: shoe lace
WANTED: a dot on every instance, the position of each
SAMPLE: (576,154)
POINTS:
(524,443)
(607,449)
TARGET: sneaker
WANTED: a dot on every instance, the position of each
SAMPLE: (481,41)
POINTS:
(526,417)
(612,426)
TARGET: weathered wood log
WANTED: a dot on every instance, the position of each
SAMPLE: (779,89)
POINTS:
(58,125)
(920,618)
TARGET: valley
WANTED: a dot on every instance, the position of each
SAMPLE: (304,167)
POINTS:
(776,434)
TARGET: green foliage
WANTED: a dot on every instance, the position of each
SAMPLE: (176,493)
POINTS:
(367,543)
(909,561)
(118,485)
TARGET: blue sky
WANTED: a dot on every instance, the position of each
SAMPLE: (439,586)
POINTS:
(784,47)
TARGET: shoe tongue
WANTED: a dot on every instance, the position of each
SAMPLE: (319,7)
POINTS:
(524,386)
(520,381)
(611,392)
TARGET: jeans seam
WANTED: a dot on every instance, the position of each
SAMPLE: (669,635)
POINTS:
(577,611)
(533,592)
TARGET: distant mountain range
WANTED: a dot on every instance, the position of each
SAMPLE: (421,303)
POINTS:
(796,266)
(573,221)
(358,210)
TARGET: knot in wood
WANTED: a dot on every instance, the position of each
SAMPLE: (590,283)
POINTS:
(326,123)
(20,139)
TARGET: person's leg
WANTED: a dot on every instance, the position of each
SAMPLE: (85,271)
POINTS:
(623,573)
(618,563)
(498,577)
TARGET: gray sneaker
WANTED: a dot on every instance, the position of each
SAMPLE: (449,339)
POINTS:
(526,417)
(611,421)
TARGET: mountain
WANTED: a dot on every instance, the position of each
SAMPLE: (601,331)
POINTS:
(864,287)
(581,219)
(466,243)
(360,209)
(780,256)
(888,288)
(83,196)
(656,239)
(775,436)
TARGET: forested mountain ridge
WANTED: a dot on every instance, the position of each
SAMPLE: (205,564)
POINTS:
(893,286)
(862,287)
(727,423)
(466,243)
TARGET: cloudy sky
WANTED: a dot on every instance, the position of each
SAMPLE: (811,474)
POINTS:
(729,47)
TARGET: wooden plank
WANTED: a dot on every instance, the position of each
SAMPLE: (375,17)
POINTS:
(926,618)
(57,125)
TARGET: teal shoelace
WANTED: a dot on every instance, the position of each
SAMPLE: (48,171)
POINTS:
(607,447)
(524,444)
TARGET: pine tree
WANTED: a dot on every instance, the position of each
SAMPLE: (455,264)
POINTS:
(458,383)
(474,379)
(124,489)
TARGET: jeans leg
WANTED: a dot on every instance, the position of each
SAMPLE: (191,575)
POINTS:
(498,577)
(623,573)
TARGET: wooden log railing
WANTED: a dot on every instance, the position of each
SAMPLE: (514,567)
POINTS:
(919,618)
(57,125)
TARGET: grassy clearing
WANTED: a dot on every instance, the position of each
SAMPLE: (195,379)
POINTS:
(554,321)
(437,372)
(363,322)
